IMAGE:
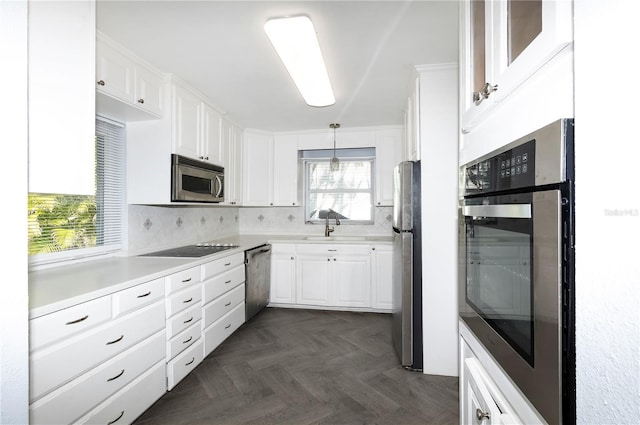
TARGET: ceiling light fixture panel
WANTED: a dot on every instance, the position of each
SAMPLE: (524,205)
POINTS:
(296,43)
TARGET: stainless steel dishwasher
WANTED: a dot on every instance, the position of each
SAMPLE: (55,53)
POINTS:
(257,279)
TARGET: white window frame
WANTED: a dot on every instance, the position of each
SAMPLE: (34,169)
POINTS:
(306,162)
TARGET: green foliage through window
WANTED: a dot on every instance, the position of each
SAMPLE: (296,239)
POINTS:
(61,222)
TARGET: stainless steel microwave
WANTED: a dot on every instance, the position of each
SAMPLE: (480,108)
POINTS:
(196,181)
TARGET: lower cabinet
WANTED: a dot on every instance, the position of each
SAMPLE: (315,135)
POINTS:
(340,276)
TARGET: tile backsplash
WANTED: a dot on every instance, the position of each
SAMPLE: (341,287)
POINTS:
(152,227)
(290,220)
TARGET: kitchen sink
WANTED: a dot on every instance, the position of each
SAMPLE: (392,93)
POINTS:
(336,238)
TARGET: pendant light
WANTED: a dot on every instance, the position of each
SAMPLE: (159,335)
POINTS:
(334,164)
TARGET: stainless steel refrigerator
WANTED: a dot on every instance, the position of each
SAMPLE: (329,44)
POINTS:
(407,265)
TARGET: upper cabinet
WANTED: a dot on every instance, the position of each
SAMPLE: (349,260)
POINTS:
(127,88)
(388,144)
(503,44)
(231,139)
(270,169)
(195,126)
(61,68)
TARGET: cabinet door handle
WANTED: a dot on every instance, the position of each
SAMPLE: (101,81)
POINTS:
(144,295)
(115,340)
(73,322)
(186,280)
(479,96)
(228,304)
(140,100)
(116,419)
(228,281)
(193,359)
(227,264)
(187,301)
(480,415)
(189,340)
(101,83)
(187,321)
(228,326)
(116,377)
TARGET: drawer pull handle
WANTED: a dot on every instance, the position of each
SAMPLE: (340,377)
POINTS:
(116,377)
(227,264)
(228,304)
(186,280)
(332,250)
(187,321)
(73,322)
(193,359)
(144,295)
(228,281)
(115,340)
(188,301)
(189,340)
(116,419)
(228,326)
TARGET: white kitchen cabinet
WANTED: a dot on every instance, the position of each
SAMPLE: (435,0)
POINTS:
(257,167)
(388,147)
(285,170)
(183,292)
(61,97)
(313,279)
(333,275)
(283,274)
(127,88)
(270,169)
(223,300)
(381,276)
(90,354)
(231,140)
(412,124)
(503,44)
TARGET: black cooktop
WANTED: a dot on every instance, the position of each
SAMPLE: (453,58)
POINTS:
(198,250)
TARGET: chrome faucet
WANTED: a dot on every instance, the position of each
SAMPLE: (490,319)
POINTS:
(327,228)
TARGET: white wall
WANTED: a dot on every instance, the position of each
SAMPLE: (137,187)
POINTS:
(439,181)
(14,343)
(607,212)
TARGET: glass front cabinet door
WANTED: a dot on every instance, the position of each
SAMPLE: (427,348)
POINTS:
(504,42)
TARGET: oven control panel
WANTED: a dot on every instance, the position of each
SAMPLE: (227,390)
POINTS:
(511,169)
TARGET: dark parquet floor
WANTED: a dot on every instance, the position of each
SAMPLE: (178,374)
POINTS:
(298,367)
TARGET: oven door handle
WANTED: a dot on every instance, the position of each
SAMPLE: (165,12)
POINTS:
(498,211)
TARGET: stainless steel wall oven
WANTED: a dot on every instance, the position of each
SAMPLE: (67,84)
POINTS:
(517,264)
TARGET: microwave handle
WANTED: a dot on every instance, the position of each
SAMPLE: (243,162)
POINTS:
(219,187)
(498,211)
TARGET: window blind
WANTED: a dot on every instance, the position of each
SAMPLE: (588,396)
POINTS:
(63,226)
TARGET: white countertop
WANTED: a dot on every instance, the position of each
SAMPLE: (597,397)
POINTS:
(53,289)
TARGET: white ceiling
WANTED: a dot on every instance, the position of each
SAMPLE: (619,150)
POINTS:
(220,47)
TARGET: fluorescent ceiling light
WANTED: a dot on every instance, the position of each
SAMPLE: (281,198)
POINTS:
(295,41)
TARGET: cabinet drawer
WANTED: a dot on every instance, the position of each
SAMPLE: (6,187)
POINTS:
(182,279)
(183,300)
(138,296)
(64,323)
(184,339)
(219,266)
(82,394)
(130,402)
(332,249)
(66,360)
(283,248)
(218,285)
(183,320)
(220,330)
(222,305)
(184,363)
